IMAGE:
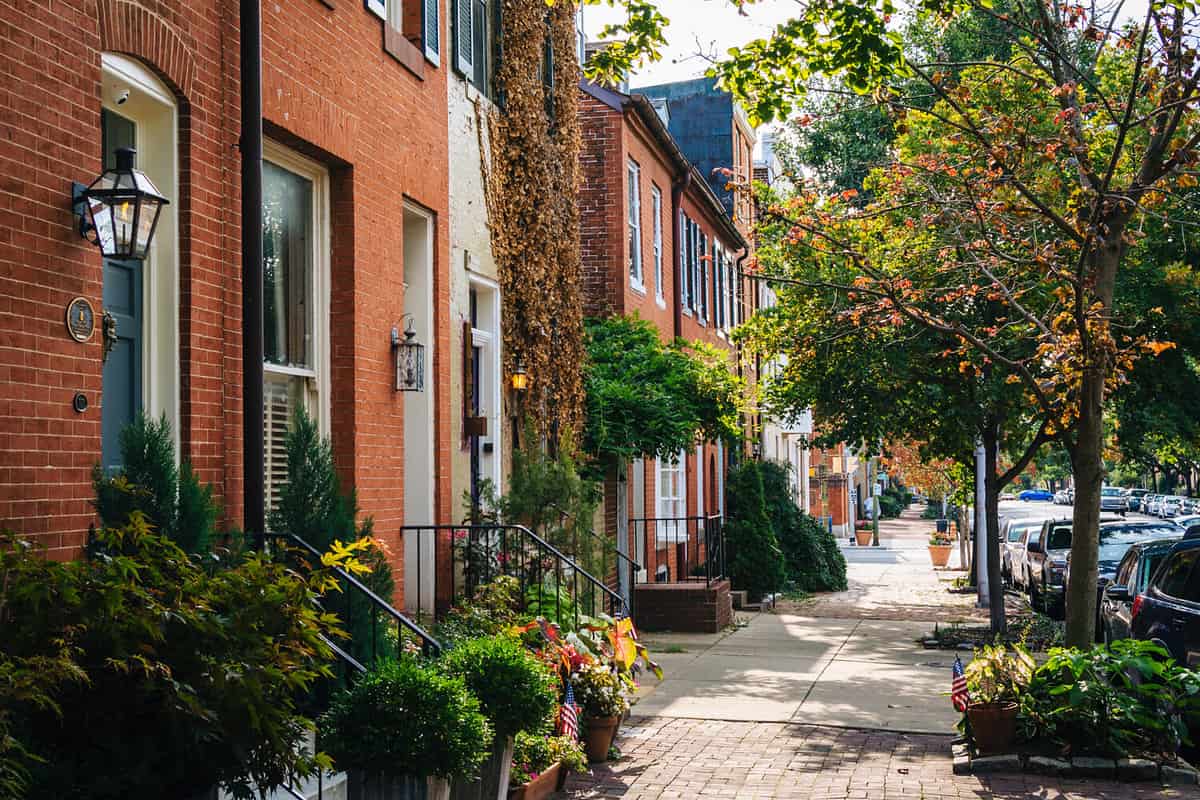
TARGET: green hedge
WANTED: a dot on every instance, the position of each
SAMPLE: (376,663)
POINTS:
(813,561)
(756,562)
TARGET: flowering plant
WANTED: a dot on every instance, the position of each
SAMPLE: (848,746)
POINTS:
(534,753)
(600,691)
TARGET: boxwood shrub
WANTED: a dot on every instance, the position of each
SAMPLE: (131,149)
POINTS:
(516,691)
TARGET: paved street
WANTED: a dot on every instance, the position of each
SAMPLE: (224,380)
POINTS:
(828,698)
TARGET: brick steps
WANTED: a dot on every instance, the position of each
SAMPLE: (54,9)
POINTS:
(683,607)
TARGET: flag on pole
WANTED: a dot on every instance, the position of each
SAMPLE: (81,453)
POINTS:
(568,718)
(958,687)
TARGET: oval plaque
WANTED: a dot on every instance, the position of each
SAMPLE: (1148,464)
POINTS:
(81,319)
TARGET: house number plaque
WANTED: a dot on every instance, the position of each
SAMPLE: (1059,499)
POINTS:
(81,319)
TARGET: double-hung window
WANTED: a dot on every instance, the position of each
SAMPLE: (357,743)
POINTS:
(295,303)
(656,210)
(671,487)
(685,266)
(634,203)
(719,288)
(418,20)
(702,279)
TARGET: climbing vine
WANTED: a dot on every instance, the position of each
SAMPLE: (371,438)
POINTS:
(531,189)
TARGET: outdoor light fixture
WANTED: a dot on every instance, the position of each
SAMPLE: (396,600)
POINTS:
(410,359)
(121,208)
(520,378)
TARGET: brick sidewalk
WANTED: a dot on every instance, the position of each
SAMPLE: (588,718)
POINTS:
(686,758)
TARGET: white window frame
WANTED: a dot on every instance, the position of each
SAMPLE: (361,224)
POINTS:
(317,384)
(637,276)
(677,500)
(656,207)
(487,339)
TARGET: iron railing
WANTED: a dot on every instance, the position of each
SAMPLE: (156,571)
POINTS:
(552,584)
(679,549)
(607,546)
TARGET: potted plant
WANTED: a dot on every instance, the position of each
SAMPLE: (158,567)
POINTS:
(516,693)
(939,549)
(996,678)
(863,534)
(601,695)
(541,763)
(402,731)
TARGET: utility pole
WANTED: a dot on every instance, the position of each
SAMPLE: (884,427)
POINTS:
(981,569)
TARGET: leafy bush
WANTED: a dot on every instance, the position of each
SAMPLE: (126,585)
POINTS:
(997,675)
(405,718)
(492,610)
(163,678)
(172,500)
(889,506)
(515,691)
(534,753)
(1129,698)
(756,563)
(313,507)
(813,559)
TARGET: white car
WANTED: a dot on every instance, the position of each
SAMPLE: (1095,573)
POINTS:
(1151,503)
(1061,498)
(1170,506)
(1186,521)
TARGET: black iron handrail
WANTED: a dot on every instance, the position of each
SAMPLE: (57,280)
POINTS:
(632,566)
(698,543)
(480,553)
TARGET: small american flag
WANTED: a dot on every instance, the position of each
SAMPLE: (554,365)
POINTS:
(568,718)
(958,687)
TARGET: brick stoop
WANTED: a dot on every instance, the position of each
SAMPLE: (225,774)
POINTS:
(683,607)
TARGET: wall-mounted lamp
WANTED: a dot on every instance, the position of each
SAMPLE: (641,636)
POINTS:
(121,208)
(520,378)
(410,359)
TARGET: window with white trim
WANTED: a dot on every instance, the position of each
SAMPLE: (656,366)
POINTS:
(656,209)
(295,302)
(418,20)
(719,288)
(634,204)
(670,487)
(702,260)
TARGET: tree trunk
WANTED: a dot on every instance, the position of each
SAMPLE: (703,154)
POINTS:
(991,443)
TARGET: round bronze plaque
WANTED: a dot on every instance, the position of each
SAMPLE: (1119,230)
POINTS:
(81,319)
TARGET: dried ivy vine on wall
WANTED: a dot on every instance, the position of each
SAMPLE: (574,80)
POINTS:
(531,188)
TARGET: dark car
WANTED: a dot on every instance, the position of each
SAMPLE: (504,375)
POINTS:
(1035,494)
(1046,565)
(1132,577)
(1115,540)
(1168,611)
(1133,500)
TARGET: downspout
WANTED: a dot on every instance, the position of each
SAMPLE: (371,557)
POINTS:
(677,190)
(250,19)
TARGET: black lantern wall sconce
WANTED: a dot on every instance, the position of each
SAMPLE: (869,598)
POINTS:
(119,212)
(410,358)
(520,378)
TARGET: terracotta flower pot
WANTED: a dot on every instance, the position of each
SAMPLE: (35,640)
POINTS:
(863,538)
(939,554)
(993,726)
(599,737)
(540,787)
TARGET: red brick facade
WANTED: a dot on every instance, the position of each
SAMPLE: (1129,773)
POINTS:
(339,88)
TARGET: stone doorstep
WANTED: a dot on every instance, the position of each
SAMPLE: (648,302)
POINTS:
(1130,770)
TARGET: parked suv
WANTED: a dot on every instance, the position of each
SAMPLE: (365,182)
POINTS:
(1168,612)
(1131,579)
(1135,498)
(1012,548)
(1046,565)
(1111,500)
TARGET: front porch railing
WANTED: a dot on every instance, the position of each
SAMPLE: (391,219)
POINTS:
(679,549)
(465,557)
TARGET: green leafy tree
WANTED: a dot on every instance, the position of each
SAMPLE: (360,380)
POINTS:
(811,555)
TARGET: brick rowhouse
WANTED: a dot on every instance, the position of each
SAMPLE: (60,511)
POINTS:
(356,99)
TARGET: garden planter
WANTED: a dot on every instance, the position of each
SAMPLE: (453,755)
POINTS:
(540,787)
(939,554)
(864,537)
(492,781)
(371,786)
(993,726)
(599,737)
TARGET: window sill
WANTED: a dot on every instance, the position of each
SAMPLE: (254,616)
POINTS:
(637,288)
(661,302)
(399,47)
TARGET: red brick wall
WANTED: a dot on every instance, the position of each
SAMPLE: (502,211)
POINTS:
(330,91)
(601,206)
(51,137)
(655,171)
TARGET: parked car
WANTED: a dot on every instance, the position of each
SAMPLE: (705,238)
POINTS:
(1046,565)
(1012,547)
(1061,499)
(1170,506)
(1005,496)
(1188,506)
(1151,504)
(1134,498)
(1168,611)
(1111,500)
(1131,579)
(1035,494)
(1187,521)
(1115,540)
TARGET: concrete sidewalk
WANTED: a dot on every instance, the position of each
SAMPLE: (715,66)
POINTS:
(791,668)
